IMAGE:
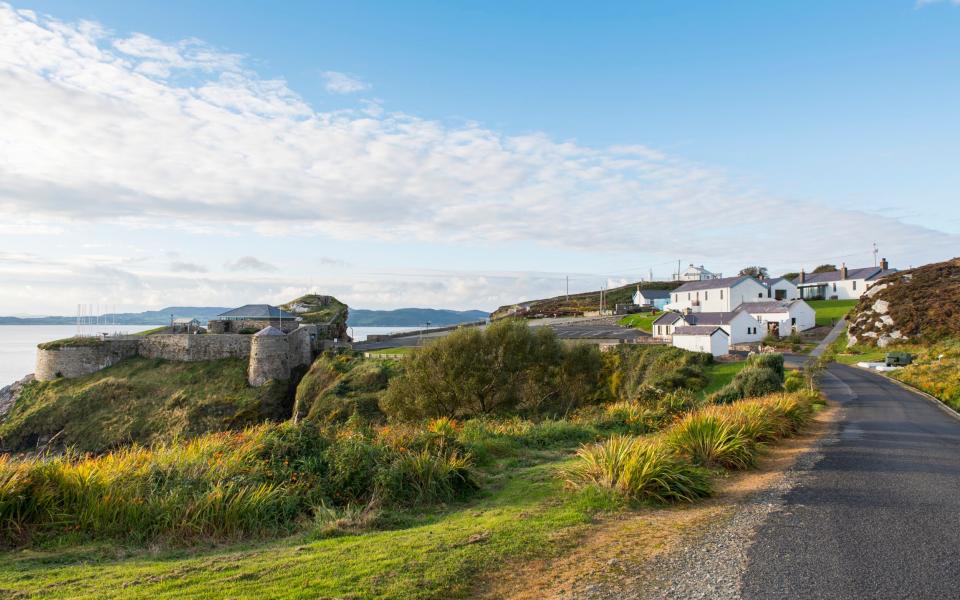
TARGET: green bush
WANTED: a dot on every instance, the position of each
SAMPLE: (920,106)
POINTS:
(338,386)
(794,381)
(769,361)
(758,381)
(507,369)
(708,440)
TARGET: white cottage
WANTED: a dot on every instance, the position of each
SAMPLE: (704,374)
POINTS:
(842,284)
(702,338)
(716,295)
(781,317)
(651,298)
(694,273)
(782,289)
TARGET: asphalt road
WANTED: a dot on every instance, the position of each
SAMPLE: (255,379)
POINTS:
(879,515)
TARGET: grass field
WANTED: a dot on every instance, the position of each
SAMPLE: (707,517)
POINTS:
(720,374)
(401,350)
(831,311)
(641,321)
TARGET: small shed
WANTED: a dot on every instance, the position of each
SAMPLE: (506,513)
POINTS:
(702,338)
(655,298)
(186,325)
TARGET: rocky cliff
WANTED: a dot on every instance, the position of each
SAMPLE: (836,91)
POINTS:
(919,304)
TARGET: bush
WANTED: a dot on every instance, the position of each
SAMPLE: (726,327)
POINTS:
(336,387)
(752,381)
(638,469)
(708,440)
(507,369)
(769,361)
(794,381)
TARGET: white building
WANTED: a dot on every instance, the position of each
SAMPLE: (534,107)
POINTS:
(740,326)
(664,324)
(652,298)
(842,284)
(782,289)
(694,273)
(702,338)
(781,317)
(716,295)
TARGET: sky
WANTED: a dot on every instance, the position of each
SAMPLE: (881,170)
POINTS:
(463,154)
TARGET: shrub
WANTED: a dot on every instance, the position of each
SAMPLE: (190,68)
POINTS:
(507,369)
(794,381)
(757,381)
(639,469)
(709,440)
(769,361)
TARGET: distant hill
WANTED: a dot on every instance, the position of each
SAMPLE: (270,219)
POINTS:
(578,303)
(149,317)
(921,304)
(412,317)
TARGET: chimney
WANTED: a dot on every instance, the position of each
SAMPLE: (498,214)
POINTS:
(803,276)
(884,265)
(843,271)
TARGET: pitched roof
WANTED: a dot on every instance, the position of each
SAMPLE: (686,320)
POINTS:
(710,284)
(268,331)
(698,330)
(767,306)
(709,318)
(667,318)
(184,321)
(258,311)
(867,273)
(655,294)
(774,281)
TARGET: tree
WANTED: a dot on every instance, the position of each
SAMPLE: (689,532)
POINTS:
(758,272)
(827,268)
(790,276)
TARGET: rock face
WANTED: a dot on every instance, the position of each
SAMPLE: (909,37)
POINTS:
(10,393)
(919,303)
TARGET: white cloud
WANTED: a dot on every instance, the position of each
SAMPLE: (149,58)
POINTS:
(342,83)
(181,137)
(250,263)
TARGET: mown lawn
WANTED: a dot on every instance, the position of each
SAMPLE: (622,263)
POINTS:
(641,321)
(431,555)
(831,311)
(720,374)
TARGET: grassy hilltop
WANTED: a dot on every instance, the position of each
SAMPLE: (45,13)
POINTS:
(583,302)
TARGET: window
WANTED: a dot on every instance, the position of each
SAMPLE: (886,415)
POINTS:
(834,286)
(721,294)
(706,295)
(854,284)
(676,297)
(760,295)
(793,320)
(688,295)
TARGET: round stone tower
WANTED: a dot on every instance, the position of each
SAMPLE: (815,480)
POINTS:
(269,357)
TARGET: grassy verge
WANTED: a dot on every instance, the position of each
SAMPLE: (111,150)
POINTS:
(831,311)
(720,374)
(936,371)
(642,321)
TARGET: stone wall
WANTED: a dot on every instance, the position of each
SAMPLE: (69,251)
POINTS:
(269,359)
(76,361)
(302,346)
(189,348)
(220,326)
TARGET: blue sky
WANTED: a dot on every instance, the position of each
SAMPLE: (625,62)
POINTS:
(829,124)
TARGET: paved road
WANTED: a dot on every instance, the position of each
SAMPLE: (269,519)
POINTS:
(879,515)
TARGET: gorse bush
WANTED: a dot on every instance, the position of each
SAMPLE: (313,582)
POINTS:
(223,485)
(634,370)
(640,469)
(507,369)
(763,374)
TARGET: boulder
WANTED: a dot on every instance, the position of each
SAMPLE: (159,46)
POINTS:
(881,306)
(873,291)
(887,320)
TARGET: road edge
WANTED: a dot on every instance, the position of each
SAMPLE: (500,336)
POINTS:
(930,397)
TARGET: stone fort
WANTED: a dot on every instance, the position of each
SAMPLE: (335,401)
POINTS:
(272,353)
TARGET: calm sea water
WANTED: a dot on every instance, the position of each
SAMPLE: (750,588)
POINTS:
(18,343)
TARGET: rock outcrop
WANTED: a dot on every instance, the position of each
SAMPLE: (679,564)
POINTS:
(922,303)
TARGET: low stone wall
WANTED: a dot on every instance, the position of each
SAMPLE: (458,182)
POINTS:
(76,361)
(189,348)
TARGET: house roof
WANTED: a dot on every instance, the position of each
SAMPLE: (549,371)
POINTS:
(774,281)
(709,318)
(655,294)
(767,306)
(698,330)
(258,311)
(710,284)
(667,318)
(184,321)
(867,273)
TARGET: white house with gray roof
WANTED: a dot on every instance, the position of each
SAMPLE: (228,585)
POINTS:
(842,284)
(694,273)
(781,289)
(740,326)
(652,298)
(780,317)
(702,338)
(716,295)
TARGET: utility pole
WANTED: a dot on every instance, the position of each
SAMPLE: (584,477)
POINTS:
(678,270)
(568,287)
(875,252)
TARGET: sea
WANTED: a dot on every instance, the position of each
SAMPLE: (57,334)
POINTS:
(18,343)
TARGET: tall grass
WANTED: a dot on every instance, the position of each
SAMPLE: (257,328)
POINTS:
(667,468)
(221,485)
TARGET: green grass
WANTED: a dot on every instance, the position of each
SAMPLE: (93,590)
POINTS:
(401,350)
(71,342)
(140,400)
(161,329)
(831,311)
(642,321)
(720,374)
(435,554)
